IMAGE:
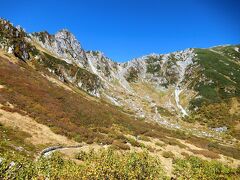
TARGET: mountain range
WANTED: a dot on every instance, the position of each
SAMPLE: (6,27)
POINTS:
(191,95)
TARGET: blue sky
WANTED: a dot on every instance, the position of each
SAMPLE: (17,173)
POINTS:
(125,29)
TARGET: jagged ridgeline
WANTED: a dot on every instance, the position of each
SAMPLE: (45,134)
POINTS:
(203,84)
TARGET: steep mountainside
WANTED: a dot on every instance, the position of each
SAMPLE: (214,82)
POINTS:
(184,102)
(184,83)
(207,76)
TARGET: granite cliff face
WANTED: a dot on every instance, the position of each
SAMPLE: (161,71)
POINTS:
(160,70)
(64,45)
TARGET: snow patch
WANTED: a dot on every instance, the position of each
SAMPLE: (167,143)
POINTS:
(113,100)
(11,164)
(122,81)
(94,70)
(177,93)
(236,49)
(220,129)
(185,59)
(10,50)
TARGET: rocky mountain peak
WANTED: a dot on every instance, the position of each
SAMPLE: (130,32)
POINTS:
(64,30)
(96,53)
(64,45)
(69,39)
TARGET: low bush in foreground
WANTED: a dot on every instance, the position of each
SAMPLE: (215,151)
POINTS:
(103,164)
(110,164)
(195,168)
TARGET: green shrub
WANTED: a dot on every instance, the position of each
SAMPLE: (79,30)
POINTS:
(150,148)
(120,145)
(206,153)
(175,142)
(133,142)
(81,155)
(160,144)
(195,168)
(168,154)
(184,154)
(133,75)
(143,138)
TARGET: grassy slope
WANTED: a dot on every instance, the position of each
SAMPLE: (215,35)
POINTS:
(66,112)
(217,81)
(222,71)
(75,116)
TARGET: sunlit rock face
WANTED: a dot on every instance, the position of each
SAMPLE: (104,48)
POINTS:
(159,69)
(64,45)
(14,40)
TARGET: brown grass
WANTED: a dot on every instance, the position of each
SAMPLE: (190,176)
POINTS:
(38,133)
(65,112)
(206,153)
(120,145)
(185,154)
(168,154)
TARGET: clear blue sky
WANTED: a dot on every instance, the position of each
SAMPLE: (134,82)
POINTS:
(124,29)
